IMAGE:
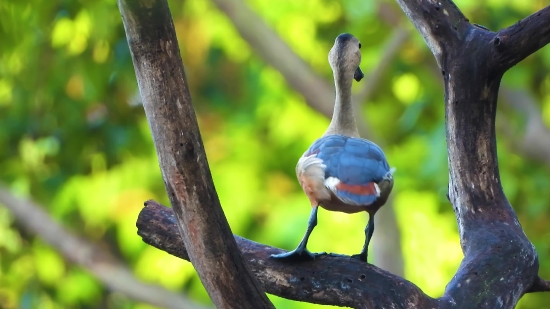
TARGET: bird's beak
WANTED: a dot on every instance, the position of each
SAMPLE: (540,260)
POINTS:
(358,75)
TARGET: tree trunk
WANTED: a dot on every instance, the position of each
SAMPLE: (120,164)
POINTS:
(202,224)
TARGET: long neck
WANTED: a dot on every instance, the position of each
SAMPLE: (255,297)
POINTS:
(343,121)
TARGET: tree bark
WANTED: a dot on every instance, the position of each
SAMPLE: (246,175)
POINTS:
(500,264)
(202,224)
(329,280)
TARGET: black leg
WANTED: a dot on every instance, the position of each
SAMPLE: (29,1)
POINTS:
(301,253)
(368,235)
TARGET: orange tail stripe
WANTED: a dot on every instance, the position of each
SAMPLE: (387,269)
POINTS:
(368,189)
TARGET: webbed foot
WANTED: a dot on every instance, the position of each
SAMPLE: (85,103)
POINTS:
(297,255)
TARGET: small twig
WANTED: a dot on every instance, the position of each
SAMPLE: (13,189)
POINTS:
(99,262)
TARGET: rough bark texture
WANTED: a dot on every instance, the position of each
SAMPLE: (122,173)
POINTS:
(500,264)
(163,88)
(329,280)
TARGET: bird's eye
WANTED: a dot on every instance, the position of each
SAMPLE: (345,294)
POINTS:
(359,45)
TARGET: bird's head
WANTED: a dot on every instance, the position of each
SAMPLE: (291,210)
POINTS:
(345,56)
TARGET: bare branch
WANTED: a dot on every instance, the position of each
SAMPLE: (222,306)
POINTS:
(492,239)
(393,45)
(520,40)
(99,262)
(540,285)
(329,280)
(167,103)
(317,92)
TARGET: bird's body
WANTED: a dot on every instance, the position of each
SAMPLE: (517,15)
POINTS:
(341,171)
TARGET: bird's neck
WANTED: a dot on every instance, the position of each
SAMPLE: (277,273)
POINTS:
(343,121)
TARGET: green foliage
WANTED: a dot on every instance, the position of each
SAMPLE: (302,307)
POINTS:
(75,138)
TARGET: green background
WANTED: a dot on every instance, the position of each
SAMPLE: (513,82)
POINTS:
(74,137)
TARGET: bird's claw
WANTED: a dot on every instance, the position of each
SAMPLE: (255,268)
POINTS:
(297,255)
(361,257)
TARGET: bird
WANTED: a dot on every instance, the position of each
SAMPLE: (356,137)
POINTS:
(340,171)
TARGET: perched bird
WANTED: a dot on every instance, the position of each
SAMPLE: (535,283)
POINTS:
(341,171)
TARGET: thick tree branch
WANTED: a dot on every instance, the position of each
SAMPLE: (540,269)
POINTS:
(167,103)
(99,262)
(520,40)
(498,255)
(441,24)
(328,280)
(534,144)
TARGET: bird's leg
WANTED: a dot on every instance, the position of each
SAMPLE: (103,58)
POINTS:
(301,253)
(368,235)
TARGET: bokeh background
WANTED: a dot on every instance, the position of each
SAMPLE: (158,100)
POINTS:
(74,138)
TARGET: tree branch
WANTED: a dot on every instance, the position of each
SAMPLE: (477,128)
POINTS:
(99,262)
(317,92)
(329,280)
(540,285)
(515,43)
(492,240)
(392,46)
(182,159)
(534,144)
(441,24)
